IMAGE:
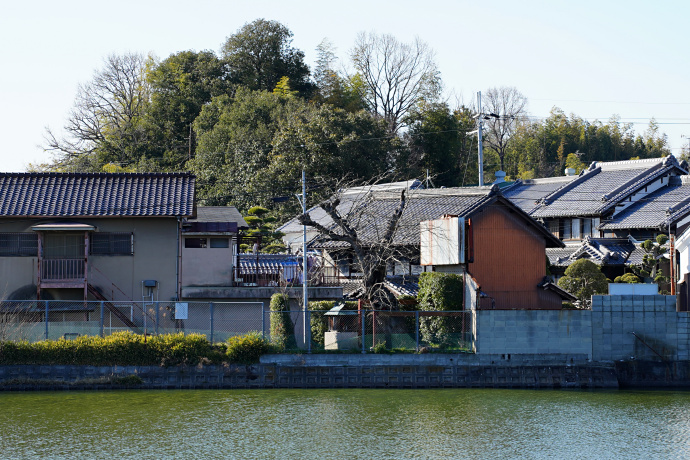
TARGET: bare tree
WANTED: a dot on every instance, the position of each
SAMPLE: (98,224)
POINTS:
(350,218)
(397,75)
(107,113)
(505,104)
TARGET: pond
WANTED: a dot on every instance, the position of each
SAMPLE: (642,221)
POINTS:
(366,424)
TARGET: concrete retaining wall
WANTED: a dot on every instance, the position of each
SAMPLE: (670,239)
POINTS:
(618,327)
(27,377)
(567,332)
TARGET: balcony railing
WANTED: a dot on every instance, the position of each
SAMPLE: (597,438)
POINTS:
(62,270)
(290,275)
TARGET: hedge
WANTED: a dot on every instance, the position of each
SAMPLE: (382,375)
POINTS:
(439,292)
(282,329)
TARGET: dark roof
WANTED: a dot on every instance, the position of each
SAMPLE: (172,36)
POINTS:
(601,251)
(603,185)
(526,193)
(96,194)
(549,286)
(651,211)
(370,213)
(215,219)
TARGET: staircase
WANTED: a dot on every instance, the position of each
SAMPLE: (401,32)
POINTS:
(113,309)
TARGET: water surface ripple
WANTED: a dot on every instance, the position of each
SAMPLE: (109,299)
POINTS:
(355,424)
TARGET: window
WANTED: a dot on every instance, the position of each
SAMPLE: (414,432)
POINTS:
(567,227)
(220,243)
(587,227)
(18,244)
(112,244)
(194,243)
(576,233)
(553,227)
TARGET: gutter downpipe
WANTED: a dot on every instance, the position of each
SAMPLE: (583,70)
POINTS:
(177,264)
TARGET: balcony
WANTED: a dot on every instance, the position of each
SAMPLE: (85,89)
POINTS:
(62,273)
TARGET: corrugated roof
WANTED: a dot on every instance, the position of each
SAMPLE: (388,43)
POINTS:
(651,211)
(96,194)
(604,185)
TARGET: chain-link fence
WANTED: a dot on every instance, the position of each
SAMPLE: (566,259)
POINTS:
(387,331)
(342,330)
(39,320)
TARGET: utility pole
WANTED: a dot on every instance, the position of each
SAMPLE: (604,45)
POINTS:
(480,121)
(304,258)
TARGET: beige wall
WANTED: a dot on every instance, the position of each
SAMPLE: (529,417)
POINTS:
(155,257)
(207,266)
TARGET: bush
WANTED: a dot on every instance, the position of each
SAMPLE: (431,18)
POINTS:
(627,278)
(439,292)
(282,329)
(247,349)
(121,348)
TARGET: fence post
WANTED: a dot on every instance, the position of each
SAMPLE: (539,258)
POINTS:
(102,318)
(210,308)
(308,325)
(364,330)
(46,317)
(158,310)
(416,328)
(263,321)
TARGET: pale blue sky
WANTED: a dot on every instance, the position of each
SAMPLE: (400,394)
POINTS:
(592,58)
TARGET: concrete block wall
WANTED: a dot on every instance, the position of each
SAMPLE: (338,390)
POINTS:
(638,327)
(566,332)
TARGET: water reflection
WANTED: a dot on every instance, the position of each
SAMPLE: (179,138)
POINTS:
(367,424)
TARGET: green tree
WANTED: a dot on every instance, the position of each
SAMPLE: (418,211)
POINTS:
(333,88)
(649,270)
(435,141)
(261,53)
(262,225)
(583,278)
(573,161)
(181,85)
(440,292)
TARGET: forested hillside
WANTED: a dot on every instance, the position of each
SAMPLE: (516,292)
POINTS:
(248,119)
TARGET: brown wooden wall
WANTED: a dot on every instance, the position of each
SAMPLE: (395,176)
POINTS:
(510,261)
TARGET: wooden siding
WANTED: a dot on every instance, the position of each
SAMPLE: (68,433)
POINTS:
(510,261)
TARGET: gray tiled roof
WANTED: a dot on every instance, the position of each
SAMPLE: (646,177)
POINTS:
(526,193)
(651,211)
(602,186)
(601,251)
(219,214)
(96,194)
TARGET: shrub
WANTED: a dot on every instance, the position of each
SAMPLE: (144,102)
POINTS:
(439,292)
(282,329)
(583,278)
(121,348)
(627,278)
(247,349)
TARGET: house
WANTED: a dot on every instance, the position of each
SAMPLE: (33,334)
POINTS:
(79,236)
(502,237)
(575,207)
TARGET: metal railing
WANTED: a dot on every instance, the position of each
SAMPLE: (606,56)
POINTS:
(286,276)
(62,269)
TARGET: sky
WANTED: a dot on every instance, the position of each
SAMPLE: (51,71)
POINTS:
(591,58)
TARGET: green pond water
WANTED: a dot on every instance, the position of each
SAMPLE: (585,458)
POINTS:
(353,424)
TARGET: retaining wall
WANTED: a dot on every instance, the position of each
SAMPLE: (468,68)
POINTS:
(618,327)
